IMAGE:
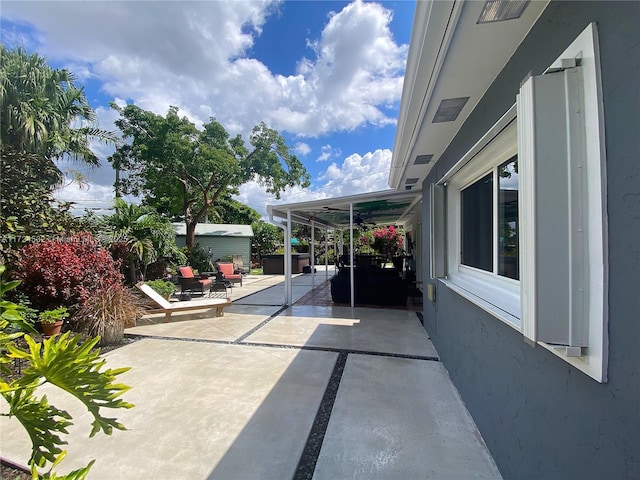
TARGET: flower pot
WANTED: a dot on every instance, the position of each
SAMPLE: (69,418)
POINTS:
(51,329)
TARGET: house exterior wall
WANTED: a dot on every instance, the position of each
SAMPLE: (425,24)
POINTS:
(222,246)
(541,417)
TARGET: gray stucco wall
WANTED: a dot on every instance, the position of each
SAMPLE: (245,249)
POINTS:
(542,418)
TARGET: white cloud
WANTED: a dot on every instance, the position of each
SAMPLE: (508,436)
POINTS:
(302,149)
(328,152)
(193,55)
(358,174)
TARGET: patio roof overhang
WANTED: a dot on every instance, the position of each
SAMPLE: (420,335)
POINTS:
(454,57)
(387,207)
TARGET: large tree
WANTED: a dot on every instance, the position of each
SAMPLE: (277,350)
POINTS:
(185,172)
(44,117)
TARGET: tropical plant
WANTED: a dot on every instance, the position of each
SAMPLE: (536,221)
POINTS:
(42,110)
(53,315)
(184,172)
(163,287)
(139,236)
(107,313)
(62,361)
(65,271)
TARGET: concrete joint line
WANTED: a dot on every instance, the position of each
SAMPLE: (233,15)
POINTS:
(339,351)
(309,458)
(260,325)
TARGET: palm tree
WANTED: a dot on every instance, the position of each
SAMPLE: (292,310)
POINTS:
(43,112)
(44,117)
(144,234)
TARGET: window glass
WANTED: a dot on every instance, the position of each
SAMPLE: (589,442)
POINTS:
(477,224)
(508,219)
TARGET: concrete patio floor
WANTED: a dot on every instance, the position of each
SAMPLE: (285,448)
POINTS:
(271,393)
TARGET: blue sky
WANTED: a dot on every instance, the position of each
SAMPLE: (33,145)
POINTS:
(327,75)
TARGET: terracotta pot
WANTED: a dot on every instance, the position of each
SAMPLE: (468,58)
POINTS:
(51,329)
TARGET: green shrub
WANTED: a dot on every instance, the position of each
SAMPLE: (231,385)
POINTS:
(107,313)
(163,287)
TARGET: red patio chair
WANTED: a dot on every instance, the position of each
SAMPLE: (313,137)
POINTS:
(229,273)
(188,281)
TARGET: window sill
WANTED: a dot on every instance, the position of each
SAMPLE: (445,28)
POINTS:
(471,291)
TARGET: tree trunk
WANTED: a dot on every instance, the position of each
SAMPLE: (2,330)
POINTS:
(191,234)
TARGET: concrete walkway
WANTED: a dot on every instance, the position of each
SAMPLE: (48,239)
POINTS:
(271,393)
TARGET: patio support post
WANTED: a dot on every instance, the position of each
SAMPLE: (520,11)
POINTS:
(288,295)
(326,255)
(351,273)
(313,254)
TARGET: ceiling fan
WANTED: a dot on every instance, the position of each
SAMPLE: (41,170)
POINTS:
(357,220)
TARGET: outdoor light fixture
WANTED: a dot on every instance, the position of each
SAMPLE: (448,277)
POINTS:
(500,10)
(422,159)
(449,109)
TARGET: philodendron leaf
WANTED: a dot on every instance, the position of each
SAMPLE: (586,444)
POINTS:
(43,422)
(76,368)
(79,474)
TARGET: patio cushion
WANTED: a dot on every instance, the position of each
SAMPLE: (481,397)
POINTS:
(228,271)
(186,272)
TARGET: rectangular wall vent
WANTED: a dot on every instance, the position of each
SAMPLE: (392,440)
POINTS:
(422,159)
(501,10)
(449,109)
(411,181)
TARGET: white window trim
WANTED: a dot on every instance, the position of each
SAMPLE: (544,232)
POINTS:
(496,294)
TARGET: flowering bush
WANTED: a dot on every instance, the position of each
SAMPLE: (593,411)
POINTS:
(388,241)
(65,271)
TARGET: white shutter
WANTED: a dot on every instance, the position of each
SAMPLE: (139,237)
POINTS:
(438,231)
(551,157)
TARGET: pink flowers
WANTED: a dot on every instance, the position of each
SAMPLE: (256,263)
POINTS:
(388,240)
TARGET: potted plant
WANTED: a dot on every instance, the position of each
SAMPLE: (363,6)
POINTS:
(51,320)
(163,287)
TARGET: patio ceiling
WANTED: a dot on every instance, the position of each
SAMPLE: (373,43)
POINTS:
(387,207)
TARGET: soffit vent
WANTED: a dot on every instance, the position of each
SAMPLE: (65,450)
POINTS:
(501,10)
(411,181)
(422,159)
(449,109)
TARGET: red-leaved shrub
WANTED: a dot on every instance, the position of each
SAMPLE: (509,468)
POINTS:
(65,271)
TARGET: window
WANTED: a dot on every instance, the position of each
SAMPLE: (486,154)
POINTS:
(482,224)
(523,214)
(484,239)
(477,224)
(508,265)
